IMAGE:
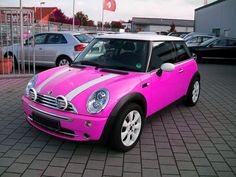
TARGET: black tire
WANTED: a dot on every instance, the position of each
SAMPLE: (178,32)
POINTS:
(63,59)
(115,138)
(189,98)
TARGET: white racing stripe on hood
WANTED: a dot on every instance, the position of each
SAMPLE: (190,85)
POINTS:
(50,78)
(87,85)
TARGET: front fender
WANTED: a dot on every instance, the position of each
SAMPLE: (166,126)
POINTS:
(132,97)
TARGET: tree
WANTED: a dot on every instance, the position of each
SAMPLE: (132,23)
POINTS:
(107,25)
(70,21)
(58,16)
(116,24)
(91,23)
(83,18)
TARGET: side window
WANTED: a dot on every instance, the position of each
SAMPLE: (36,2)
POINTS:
(195,40)
(84,38)
(219,43)
(40,39)
(56,39)
(182,52)
(162,52)
(205,38)
(231,43)
(28,41)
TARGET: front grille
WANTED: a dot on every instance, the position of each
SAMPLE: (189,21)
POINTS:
(52,102)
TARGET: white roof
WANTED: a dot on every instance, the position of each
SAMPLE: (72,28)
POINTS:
(144,37)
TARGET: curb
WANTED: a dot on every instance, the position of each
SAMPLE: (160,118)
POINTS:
(16,76)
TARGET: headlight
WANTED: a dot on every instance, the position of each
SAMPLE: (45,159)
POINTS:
(62,102)
(31,84)
(98,101)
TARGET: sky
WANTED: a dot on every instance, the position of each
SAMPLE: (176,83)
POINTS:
(125,9)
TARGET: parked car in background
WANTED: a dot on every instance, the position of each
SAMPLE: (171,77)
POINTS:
(51,48)
(190,34)
(111,88)
(196,40)
(216,48)
(177,34)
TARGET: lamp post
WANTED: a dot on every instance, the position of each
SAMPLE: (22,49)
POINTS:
(41,15)
(21,38)
(73,23)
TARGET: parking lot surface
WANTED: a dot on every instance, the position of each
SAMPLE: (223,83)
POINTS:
(178,141)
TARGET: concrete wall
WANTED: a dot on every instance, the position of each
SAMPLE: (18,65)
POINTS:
(218,16)
(167,28)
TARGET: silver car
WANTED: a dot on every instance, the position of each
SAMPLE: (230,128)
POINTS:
(51,48)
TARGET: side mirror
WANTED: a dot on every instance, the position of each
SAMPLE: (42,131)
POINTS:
(167,67)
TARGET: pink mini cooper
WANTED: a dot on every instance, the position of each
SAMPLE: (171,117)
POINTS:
(111,87)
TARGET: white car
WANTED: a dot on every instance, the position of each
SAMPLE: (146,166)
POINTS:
(51,48)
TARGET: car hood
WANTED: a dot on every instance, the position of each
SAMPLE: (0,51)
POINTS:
(76,85)
(71,82)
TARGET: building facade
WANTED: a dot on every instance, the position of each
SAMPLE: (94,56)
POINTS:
(161,24)
(41,14)
(218,18)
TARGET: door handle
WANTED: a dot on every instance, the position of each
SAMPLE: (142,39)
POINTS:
(181,70)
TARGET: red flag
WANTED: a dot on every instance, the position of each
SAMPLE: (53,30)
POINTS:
(109,5)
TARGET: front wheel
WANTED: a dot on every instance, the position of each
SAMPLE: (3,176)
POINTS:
(128,128)
(193,92)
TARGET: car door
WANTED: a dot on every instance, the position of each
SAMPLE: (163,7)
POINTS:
(39,48)
(55,42)
(216,50)
(163,84)
(184,67)
(28,50)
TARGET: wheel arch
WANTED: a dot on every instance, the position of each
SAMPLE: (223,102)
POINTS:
(137,98)
(60,57)
(196,75)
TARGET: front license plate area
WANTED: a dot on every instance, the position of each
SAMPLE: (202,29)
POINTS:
(49,123)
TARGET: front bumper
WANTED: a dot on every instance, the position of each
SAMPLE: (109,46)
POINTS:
(63,124)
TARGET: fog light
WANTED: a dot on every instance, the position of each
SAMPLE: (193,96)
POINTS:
(88,123)
(86,136)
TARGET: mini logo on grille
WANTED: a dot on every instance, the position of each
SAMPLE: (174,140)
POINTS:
(50,93)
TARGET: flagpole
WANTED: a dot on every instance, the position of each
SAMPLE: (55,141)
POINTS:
(102,13)
(73,18)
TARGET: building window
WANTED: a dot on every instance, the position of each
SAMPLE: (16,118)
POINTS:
(216,31)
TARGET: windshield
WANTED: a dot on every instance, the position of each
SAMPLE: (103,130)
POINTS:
(122,54)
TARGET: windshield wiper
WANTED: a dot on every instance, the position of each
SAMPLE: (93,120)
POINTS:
(76,65)
(124,68)
(90,63)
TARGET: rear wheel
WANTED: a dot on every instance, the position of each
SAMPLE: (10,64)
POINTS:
(63,61)
(128,128)
(193,92)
